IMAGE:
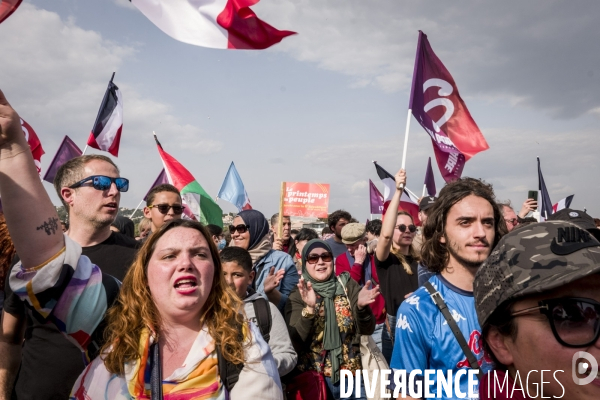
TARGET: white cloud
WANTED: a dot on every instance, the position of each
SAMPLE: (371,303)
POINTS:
(125,4)
(535,54)
(58,74)
(358,186)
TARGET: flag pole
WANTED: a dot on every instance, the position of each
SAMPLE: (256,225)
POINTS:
(404,151)
(137,208)
(281,197)
(84,150)
(424,188)
(411,193)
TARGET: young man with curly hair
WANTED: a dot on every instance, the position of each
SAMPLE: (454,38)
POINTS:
(462,228)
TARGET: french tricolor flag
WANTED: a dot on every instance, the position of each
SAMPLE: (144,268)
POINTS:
(408,202)
(219,24)
(564,203)
(106,133)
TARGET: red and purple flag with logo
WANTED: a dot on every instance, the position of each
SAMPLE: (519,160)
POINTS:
(437,105)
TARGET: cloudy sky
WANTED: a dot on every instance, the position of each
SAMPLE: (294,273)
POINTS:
(322,104)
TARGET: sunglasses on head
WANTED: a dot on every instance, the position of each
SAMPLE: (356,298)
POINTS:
(575,321)
(101,182)
(164,208)
(314,258)
(403,227)
(241,228)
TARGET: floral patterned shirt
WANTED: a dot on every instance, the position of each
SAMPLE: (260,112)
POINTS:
(316,356)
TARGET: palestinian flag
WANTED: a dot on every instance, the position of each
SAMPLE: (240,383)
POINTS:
(408,202)
(220,24)
(199,205)
(106,133)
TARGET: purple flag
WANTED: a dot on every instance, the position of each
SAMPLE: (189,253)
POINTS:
(437,106)
(429,180)
(66,151)
(376,199)
(161,179)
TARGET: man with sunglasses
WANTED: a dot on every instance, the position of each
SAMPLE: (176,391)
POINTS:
(538,302)
(163,204)
(90,188)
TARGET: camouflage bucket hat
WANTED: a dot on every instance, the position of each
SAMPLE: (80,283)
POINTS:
(534,259)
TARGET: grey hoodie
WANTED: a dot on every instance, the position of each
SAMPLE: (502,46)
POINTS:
(281,346)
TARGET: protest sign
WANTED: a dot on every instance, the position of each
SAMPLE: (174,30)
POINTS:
(305,199)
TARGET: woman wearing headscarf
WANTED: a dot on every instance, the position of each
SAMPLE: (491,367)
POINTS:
(326,316)
(275,272)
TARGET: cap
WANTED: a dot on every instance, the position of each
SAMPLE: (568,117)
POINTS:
(578,217)
(532,259)
(352,233)
(427,202)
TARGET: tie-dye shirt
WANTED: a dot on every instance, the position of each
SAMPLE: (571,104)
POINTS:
(67,291)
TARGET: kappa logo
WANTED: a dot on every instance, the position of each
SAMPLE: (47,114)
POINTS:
(573,239)
(403,323)
(413,301)
(457,317)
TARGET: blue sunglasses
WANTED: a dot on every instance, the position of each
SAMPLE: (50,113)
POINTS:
(101,182)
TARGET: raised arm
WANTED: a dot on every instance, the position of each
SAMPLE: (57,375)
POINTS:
(389,220)
(31,218)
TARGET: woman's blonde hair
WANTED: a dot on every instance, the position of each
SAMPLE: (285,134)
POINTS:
(411,250)
(134,309)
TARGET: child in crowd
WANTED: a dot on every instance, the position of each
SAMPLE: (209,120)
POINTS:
(237,268)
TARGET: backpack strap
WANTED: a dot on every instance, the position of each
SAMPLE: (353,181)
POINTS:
(264,319)
(111,286)
(228,371)
(443,307)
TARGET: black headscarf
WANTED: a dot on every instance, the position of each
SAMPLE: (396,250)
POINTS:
(259,226)
(124,225)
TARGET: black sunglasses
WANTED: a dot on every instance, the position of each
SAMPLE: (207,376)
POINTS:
(164,208)
(403,227)
(101,182)
(241,228)
(575,321)
(314,258)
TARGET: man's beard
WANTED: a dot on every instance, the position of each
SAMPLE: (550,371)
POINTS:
(471,264)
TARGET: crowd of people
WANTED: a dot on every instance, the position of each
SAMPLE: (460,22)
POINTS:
(259,311)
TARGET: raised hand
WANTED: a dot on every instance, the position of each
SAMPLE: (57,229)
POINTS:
(309,297)
(10,126)
(278,244)
(360,254)
(272,280)
(528,205)
(367,295)
(400,179)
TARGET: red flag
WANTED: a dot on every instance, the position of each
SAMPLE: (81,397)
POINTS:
(7,7)
(437,105)
(34,144)
(220,24)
